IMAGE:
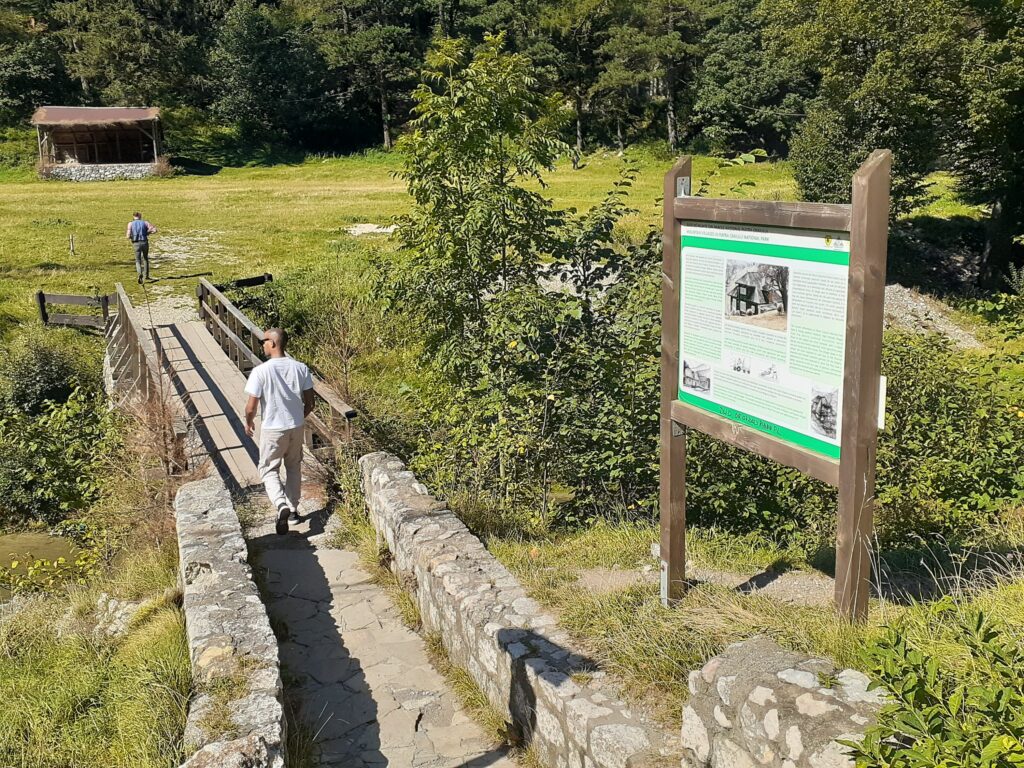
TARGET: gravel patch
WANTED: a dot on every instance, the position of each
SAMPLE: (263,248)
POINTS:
(908,309)
(188,248)
(166,309)
(370,229)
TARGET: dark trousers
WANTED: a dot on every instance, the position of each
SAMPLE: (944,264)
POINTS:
(142,259)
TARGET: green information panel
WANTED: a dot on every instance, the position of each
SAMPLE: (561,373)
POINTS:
(762,329)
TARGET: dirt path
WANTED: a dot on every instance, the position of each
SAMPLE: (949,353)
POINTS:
(365,688)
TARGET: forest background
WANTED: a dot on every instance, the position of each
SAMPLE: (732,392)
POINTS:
(821,82)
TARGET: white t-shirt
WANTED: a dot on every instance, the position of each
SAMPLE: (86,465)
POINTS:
(279,384)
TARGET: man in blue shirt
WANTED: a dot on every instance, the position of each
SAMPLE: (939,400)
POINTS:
(138,233)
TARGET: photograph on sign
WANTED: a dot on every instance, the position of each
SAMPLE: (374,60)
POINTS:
(763,329)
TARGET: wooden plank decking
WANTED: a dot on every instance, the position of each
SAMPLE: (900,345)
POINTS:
(207,377)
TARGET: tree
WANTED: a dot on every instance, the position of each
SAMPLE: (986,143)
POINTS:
(31,70)
(376,54)
(270,77)
(626,69)
(577,29)
(744,96)
(674,27)
(134,52)
(888,75)
(988,147)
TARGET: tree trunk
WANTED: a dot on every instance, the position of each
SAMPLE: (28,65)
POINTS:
(579,129)
(670,112)
(385,117)
(999,234)
(618,135)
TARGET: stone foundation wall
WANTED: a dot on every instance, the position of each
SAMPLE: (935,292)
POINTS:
(97,172)
(760,705)
(555,699)
(238,719)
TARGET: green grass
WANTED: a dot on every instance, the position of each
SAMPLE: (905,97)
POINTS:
(244,221)
(73,700)
(943,202)
(651,650)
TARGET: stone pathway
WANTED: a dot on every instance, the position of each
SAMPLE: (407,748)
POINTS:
(365,687)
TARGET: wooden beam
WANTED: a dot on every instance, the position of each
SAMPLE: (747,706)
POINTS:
(869,232)
(212,291)
(808,462)
(82,321)
(41,303)
(673,438)
(78,300)
(764,213)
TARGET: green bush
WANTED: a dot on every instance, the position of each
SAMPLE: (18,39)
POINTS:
(971,715)
(50,464)
(43,367)
(18,148)
(952,454)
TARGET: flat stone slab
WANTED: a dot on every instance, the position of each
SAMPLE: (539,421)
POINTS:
(364,685)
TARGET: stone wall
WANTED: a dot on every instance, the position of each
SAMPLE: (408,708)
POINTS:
(555,699)
(760,705)
(97,172)
(237,719)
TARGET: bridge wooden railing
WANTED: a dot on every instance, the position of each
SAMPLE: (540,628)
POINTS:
(101,321)
(135,369)
(134,363)
(242,341)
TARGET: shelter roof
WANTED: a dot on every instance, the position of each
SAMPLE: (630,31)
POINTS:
(94,115)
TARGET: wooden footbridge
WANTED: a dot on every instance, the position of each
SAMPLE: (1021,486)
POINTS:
(197,369)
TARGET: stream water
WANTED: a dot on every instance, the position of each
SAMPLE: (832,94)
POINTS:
(21,546)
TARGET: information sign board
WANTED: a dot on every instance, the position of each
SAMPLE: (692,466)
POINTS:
(771,341)
(762,335)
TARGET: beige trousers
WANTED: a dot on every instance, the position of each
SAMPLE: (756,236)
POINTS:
(281,447)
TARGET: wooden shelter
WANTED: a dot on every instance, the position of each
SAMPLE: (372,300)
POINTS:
(752,293)
(97,135)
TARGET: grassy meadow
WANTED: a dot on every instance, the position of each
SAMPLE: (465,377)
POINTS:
(244,221)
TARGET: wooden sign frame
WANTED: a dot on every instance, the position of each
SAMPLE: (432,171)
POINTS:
(867,222)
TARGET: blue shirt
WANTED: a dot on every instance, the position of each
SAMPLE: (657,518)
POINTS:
(139,230)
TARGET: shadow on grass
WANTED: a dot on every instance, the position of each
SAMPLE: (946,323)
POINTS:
(930,571)
(935,254)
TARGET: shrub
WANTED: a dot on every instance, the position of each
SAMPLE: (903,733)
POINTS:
(18,148)
(49,464)
(970,715)
(952,455)
(43,367)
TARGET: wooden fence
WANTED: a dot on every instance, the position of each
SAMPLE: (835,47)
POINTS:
(101,322)
(242,341)
(134,364)
(135,368)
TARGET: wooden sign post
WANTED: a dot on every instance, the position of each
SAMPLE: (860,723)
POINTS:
(771,341)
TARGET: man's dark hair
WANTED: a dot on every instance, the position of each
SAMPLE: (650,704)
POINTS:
(137,215)
(280,337)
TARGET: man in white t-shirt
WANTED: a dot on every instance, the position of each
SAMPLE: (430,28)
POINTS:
(283,388)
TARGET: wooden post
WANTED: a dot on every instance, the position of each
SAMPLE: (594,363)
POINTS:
(673,437)
(869,230)
(105,308)
(41,301)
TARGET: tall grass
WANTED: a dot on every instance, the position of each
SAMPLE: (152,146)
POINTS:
(77,700)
